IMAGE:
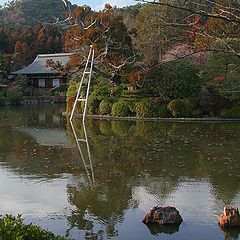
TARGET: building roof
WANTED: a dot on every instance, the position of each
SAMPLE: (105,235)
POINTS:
(39,65)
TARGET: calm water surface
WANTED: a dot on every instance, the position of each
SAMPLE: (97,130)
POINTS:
(134,166)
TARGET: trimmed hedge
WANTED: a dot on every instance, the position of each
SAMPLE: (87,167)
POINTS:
(233,112)
(184,108)
(120,109)
(143,109)
(151,107)
(105,107)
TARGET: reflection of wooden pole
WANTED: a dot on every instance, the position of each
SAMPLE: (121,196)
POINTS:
(91,177)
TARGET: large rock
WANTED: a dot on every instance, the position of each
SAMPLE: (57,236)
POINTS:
(163,215)
(229,218)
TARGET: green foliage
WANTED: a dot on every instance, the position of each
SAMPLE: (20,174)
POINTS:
(101,90)
(13,228)
(222,73)
(211,103)
(233,112)
(21,81)
(2,98)
(183,108)
(143,109)
(71,94)
(15,95)
(163,111)
(230,88)
(2,68)
(24,12)
(93,104)
(72,89)
(177,80)
(105,107)
(120,109)
(151,107)
(153,35)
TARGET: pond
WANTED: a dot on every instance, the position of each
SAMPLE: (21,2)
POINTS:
(132,167)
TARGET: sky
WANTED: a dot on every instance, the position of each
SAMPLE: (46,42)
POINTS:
(97,4)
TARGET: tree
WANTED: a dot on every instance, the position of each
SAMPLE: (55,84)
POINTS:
(105,31)
(154,37)
(212,25)
(2,68)
(18,47)
(176,80)
(4,41)
(222,73)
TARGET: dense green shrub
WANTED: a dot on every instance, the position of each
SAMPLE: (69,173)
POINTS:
(13,228)
(2,98)
(176,80)
(71,94)
(150,107)
(211,103)
(222,72)
(184,108)
(120,109)
(143,108)
(15,95)
(105,107)
(163,111)
(233,112)
(132,106)
(93,105)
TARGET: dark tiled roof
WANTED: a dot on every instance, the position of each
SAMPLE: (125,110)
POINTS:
(38,66)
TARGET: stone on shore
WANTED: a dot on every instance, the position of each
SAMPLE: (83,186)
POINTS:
(229,218)
(163,215)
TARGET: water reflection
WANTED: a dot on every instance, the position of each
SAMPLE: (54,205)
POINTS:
(158,229)
(87,163)
(106,184)
(231,233)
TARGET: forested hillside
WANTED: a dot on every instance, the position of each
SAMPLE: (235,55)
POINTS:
(29,12)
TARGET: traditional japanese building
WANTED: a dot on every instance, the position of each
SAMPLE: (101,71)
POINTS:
(40,75)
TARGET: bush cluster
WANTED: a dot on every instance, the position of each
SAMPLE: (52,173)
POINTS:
(233,112)
(2,98)
(14,228)
(184,108)
(151,107)
(15,95)
(120,109)
(105,107)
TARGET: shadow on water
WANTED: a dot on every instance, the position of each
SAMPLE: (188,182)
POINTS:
(231,233)
(156,229)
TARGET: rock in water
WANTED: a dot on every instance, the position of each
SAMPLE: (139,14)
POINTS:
(229,218)
(163,215)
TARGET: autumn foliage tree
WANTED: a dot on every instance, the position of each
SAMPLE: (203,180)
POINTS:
(107,34)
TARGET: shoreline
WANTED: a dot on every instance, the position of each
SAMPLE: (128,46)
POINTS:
(204,119)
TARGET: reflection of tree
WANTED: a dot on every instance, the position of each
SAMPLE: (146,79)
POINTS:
(170,150)
(107,203)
